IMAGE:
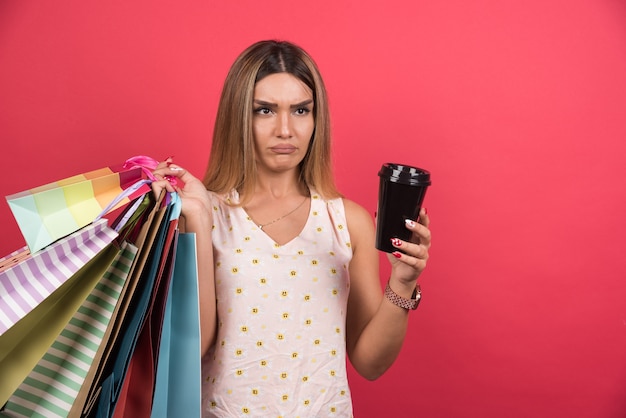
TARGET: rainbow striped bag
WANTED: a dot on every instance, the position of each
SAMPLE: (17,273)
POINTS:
(49,212)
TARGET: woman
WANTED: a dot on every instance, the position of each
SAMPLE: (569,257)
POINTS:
(289,274)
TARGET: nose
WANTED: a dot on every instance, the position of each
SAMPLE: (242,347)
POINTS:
(283,128)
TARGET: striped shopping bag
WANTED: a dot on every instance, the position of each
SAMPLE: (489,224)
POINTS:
(28,279)
(52,387)
(25,343)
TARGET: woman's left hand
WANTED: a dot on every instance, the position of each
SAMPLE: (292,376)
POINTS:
(410,260)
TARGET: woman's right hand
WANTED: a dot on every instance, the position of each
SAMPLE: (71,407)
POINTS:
(196,217)
(194,196)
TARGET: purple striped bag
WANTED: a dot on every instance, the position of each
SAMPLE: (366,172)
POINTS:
(27,282)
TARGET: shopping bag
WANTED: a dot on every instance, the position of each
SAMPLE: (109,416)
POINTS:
(52,386)
(25,343)
(136,392)
(178,387)
(131,214)
(124,203)
(135,398)
(136,230)
(54,210)
(25,284)
(135,357)
(117,353)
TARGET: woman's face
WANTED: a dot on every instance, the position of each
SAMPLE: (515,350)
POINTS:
(282,121)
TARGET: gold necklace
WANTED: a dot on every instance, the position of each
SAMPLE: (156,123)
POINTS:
(261,226)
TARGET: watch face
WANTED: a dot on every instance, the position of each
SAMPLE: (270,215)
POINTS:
(417,296)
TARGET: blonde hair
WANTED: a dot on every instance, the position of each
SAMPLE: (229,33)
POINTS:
(231,162)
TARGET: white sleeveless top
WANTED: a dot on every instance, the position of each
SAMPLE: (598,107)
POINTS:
(281,344)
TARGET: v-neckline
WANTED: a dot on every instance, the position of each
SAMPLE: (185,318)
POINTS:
(269,237)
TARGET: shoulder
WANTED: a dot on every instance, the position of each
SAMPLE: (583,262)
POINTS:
(229,199)
(359,220)
(355,213)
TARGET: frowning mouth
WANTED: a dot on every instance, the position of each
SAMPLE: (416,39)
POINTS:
(283,149)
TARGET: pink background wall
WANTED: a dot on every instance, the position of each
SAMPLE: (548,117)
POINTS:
(517,108)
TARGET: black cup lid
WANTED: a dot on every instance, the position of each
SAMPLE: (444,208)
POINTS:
(405,174)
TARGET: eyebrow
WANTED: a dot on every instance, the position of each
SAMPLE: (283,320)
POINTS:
(293,106)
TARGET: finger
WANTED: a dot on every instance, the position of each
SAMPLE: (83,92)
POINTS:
(164,163)
(173,170)
(420,232)
(412,249)
(423,217)
(171,173)
(416,263)
(158,186)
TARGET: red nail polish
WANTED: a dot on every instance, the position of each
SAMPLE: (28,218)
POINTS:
(396,254)
(396,242)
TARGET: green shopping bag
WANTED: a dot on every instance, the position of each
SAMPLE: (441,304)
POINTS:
(53,385)
(24,344)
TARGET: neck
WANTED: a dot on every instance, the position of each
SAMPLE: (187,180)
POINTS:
(278,187)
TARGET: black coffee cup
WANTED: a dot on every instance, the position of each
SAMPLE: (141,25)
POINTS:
(401,193)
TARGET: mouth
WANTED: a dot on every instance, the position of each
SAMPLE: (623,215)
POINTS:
(283,149)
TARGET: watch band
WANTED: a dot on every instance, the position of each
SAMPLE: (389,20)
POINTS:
(404,302)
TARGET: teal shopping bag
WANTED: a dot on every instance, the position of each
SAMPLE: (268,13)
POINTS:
(178,381)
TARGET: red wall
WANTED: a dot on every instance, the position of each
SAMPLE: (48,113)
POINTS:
(517,108)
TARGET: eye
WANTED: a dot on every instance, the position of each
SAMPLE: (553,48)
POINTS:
(262,111)
(302,111)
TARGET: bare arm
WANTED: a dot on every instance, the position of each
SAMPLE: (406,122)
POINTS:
(196,217)
(375,326)
(201,226)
